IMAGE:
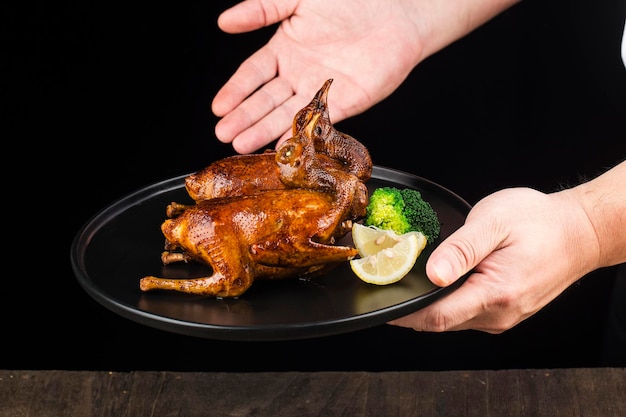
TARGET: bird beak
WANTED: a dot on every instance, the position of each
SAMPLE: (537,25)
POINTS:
(318,105)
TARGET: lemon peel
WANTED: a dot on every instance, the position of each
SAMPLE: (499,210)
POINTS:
(385,257)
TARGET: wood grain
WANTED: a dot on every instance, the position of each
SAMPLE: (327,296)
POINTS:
(536,393)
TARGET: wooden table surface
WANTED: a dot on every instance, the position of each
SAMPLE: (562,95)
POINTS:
(538,392)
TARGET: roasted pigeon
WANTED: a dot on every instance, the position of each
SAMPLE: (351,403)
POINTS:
(272,215)
(247,174)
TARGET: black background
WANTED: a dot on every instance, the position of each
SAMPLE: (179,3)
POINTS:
(104,98)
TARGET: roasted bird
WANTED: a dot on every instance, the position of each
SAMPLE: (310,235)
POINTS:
(247,174)
(284,224)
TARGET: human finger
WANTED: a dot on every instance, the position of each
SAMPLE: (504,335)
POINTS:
(474,305)
(275,125)
(465,248)
(258,69)
(262,102)
(250,15)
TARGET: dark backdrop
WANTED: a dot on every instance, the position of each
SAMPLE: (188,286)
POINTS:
(103,98)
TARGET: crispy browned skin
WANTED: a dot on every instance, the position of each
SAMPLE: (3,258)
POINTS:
(248,238)
(251,173)
(240,175)
(278,233)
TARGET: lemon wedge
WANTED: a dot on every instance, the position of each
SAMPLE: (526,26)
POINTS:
(386,257)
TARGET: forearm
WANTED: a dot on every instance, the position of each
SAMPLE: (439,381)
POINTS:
(458,17)
(604,201)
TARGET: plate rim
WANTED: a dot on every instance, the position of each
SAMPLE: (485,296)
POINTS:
(294,331)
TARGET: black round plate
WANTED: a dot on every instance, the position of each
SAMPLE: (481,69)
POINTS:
(123,243)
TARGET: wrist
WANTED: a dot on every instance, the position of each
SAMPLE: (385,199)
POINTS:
(603,201)
(459,17)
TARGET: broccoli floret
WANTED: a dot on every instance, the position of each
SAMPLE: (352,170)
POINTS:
(402,210)
(420,214)
(386,210)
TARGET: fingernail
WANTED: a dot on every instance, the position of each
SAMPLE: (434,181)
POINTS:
(443,272)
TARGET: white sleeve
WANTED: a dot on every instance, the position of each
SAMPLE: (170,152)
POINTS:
(624,45)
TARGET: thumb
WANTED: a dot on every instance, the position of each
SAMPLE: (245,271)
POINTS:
(462,251)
